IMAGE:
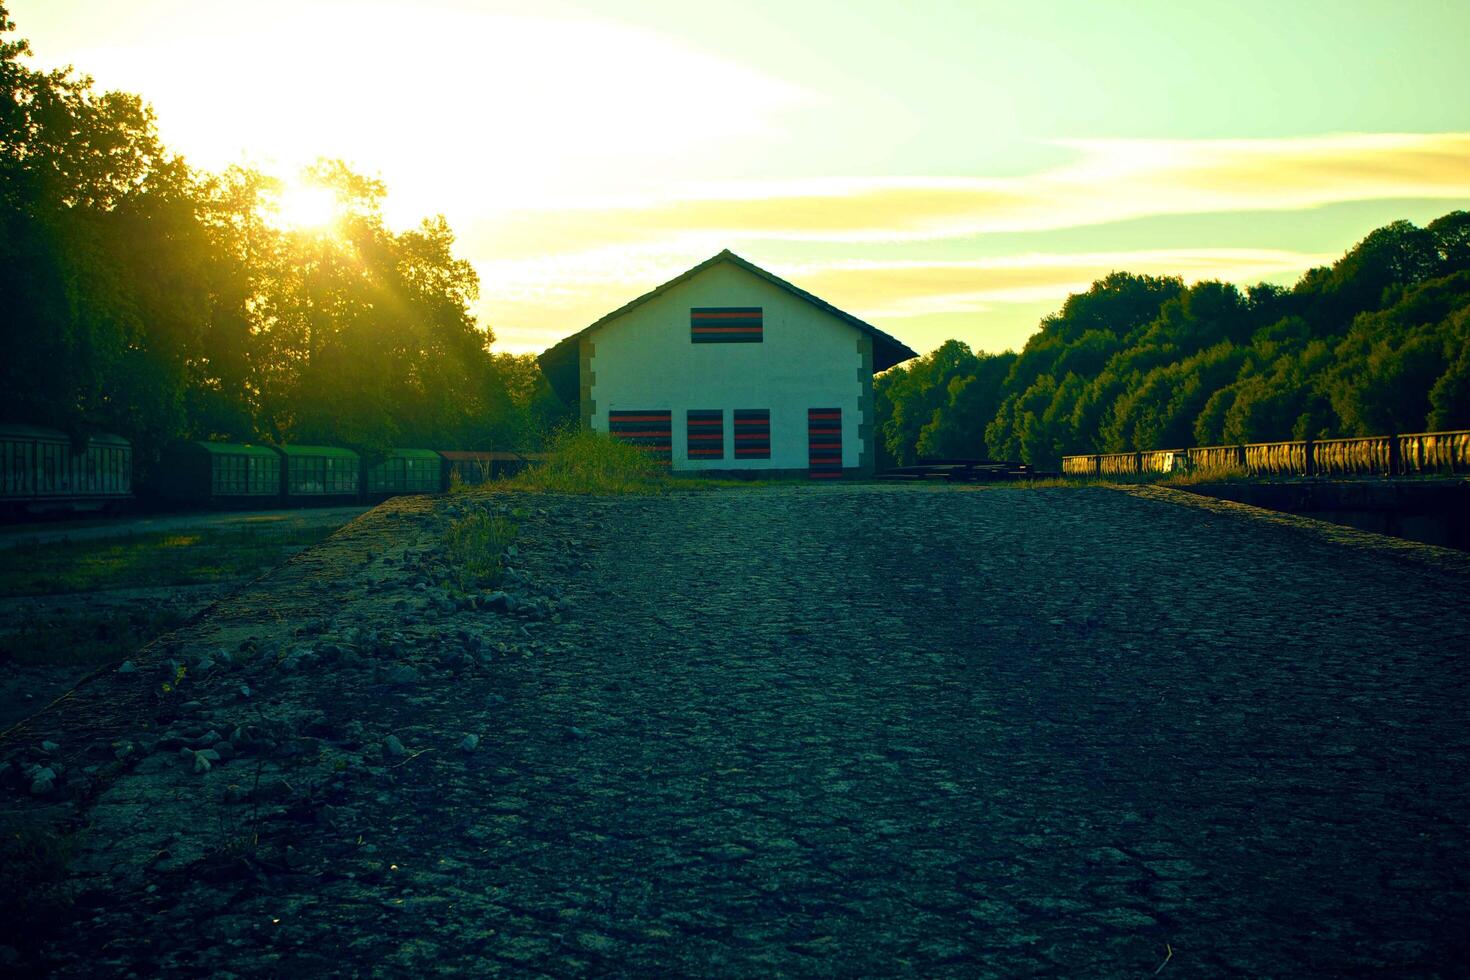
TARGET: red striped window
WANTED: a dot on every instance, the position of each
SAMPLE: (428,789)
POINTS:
(706,433)
(752,433)
(726,324)
(651,430)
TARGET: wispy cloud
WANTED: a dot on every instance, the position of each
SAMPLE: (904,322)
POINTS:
(548,271)
(1110,180)
(905,289)
(876,290)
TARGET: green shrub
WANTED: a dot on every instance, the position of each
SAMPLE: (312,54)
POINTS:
(593,462)
(476,549)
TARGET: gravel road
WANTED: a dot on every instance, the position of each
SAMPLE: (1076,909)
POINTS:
(844,731)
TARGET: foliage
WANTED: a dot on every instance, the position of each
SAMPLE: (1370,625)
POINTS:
(593,462)
(145,297)
(475,549)
(1378,343)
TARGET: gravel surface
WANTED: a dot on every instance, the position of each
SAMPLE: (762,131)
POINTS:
(824,731)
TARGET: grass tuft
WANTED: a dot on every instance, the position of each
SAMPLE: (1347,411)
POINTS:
(475,549)
(593,462)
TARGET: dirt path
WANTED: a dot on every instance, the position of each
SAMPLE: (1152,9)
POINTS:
(836,731)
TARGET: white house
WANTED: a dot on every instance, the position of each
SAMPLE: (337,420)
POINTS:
(728,367)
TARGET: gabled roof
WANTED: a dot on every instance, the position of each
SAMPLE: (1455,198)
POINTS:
(559,363)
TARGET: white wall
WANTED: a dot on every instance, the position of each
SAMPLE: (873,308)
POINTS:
(807,359)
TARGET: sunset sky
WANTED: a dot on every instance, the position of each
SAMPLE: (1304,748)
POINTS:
(940,169)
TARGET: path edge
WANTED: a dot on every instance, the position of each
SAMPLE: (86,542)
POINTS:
(1432,556)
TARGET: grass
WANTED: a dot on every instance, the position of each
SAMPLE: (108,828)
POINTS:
(593,463)
(149,560)
(85,639)
(475,549)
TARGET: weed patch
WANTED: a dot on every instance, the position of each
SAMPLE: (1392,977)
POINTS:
(475,548)
(593,462)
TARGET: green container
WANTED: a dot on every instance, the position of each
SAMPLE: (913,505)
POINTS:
(321,471)
(213,470)
(406,471)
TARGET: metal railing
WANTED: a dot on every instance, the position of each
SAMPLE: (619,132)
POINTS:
(1410,454)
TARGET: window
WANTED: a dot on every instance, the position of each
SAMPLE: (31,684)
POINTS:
(824,442)
(726,324)
(650,429)
(752,433)
(706,433)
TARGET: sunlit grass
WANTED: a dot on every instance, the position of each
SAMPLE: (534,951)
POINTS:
(595,463)
(475,549)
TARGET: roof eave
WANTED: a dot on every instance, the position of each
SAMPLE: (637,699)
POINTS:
(560,362)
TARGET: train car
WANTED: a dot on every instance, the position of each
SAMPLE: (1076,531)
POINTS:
(320,474)
(1079,466)
(1163,461)
(482,467)
(1277,458)
(403,471)
(1365,456)
(220,474)
(1434,453)
(1217,460)
(1118,464)
(43,470)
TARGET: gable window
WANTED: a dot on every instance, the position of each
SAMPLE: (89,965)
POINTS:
(752,433)
(726,324)
(706,433)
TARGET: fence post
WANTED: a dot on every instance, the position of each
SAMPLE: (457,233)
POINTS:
(1307,468)
(1395,460)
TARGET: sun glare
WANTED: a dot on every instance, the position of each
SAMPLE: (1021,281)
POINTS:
(305,207)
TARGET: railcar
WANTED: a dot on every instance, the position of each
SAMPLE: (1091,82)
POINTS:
(1434,452)
(43,470)
(1413,454)
(220,474)
(320,474)
(402,471)
(481,467)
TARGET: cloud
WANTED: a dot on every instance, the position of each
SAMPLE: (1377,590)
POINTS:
(526,295)
(1110,180)
(905,289)
(549,271)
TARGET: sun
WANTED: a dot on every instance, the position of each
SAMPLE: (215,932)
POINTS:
(305,207)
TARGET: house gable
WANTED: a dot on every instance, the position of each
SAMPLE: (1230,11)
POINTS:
(561,362)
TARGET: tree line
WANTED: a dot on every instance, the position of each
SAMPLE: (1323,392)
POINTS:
(1378,343)
(145,297)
